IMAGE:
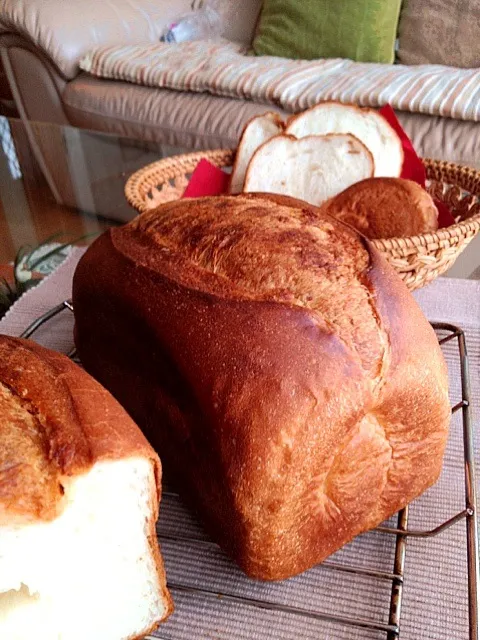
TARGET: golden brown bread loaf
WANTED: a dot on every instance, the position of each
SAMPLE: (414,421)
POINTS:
(385,208)
(79,494)
(278,364)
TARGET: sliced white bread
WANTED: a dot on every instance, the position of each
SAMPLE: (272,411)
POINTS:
(95,557)
(257,131)
(79,494)
(366,124)
(314,168)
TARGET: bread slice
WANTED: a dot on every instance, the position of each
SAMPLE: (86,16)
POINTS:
(385,208)
(366,124)
(314,168)
(257,131)
(79,493)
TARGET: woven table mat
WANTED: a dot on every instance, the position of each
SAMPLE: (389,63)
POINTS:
(435,593)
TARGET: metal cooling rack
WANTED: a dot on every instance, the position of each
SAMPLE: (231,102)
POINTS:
(445,333)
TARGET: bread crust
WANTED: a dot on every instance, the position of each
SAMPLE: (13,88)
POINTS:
(268,346)
(73,423)
(385,208)
(355,108)
(286,180)
(275,118)
(328,103)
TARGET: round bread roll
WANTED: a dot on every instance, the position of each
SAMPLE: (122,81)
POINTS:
(385,208)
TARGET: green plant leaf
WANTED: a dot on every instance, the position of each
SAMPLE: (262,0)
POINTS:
(20,289)
(20,255)
(8,293)
(18,259)
(4,297)
(51,238)
(7,286)
(59,249)
(7,296)
(31,283)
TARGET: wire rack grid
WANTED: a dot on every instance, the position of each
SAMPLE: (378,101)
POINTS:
(399,534)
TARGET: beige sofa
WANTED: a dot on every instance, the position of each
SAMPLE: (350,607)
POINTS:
(42,42)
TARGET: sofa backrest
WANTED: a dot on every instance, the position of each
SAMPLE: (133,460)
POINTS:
(440,32)
(65,30)
(240,19)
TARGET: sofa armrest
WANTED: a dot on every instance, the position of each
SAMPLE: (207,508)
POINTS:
(65,30)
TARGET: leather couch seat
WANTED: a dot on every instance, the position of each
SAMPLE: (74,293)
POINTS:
(203,121)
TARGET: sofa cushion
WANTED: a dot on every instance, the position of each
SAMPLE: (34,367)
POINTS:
(67,29)
(239,19)
(199,121)
(222,69)
(440,32)
(443,138)
(184,120)
(65,32)
(362,30)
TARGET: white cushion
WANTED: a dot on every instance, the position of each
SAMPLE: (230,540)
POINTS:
(67,29)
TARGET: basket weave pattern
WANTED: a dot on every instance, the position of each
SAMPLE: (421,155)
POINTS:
(417,259)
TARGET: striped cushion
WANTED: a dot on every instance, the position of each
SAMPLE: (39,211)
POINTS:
(223,69)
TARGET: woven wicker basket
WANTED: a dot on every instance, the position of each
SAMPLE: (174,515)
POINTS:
(418,259)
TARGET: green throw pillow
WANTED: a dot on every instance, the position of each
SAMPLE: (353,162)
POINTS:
(362,30)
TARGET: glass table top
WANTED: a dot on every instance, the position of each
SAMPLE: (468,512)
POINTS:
(67,182)
(63,180)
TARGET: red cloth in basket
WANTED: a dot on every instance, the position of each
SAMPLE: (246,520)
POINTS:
(209,180)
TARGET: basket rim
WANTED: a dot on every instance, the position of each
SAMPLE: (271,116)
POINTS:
(192,155)
(424,239)
(138,176)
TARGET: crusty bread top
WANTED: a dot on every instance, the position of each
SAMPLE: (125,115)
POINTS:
(56,421)
(385,208)
(236,246)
